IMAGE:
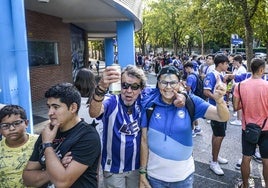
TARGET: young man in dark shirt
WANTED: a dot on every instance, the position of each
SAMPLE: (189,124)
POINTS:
(67,132)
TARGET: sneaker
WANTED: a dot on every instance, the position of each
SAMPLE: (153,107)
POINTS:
(235,114)
(215,167)
(193,134)
(236,122)
(239,183)
(257,157)
(222,160)
(238,164)
(197,131)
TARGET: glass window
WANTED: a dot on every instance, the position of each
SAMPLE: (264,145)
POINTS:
(43,53)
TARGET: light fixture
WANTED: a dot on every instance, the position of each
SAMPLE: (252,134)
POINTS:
(43,1)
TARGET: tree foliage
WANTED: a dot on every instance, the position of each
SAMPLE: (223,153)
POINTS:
(206,22)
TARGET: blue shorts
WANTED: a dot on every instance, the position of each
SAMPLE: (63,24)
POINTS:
(248,149)
(187,183)
(218,128)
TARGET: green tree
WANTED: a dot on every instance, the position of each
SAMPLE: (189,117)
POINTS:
(247,8)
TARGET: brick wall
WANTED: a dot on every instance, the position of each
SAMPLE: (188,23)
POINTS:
(48,28)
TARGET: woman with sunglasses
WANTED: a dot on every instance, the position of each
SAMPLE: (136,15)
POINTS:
(166,143)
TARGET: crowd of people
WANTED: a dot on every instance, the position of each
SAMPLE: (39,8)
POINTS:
(144,136)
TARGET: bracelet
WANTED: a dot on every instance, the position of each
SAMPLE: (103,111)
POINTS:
(93,97)
(100,92)
(105,91)
(142,170)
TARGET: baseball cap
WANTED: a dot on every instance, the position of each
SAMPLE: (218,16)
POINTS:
(169,69)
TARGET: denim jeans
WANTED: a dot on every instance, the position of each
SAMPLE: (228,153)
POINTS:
(187,183)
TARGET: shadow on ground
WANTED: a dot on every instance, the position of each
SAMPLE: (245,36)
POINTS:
(205,178)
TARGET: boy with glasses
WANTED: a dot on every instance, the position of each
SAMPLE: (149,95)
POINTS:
(16,147)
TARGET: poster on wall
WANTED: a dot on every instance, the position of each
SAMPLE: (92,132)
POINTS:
(77,48)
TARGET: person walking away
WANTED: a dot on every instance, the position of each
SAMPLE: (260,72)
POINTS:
(66,133)
(98,67)
(239,69)
(167,143)
(218,128)
(245,96)
(85,82)
(16,147)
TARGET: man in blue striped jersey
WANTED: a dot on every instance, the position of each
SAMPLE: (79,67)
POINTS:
(121,131)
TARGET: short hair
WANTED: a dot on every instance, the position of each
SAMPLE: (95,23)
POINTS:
(132,70)
(256,64)
(85,82)
(188,64)
(12,109)
(66,92)
(238,58)
(210,55)
(220,58)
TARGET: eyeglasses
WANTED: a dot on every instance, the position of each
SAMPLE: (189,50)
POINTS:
(134,86)
(172,84)
(5,126)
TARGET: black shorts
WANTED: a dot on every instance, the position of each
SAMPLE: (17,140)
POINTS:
(248,149)
(218,128)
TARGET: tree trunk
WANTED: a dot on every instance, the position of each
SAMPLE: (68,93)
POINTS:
(249,43)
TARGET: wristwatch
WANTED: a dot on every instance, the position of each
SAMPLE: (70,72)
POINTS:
(46,145)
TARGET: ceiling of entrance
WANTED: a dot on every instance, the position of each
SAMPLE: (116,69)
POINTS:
(97,17)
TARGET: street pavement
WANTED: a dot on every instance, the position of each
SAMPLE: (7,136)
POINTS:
(203,176)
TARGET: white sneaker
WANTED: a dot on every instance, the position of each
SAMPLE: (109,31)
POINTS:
(222,160)
(236,122)
(193,134)
(215,167)
(257,157)
(257,154)
(238,164)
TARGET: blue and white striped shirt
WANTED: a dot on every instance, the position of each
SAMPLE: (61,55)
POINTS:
(121,135)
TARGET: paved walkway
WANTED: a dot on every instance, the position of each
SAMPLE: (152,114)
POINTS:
(204,177)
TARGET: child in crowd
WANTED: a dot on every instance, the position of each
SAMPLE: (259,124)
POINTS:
(16,146)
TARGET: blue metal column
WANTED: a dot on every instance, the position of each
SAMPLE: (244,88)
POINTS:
(21,59)
(14,70)
(6,54)
(125,41)
(109,51)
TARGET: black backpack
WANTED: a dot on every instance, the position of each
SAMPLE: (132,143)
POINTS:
(199,90)
(189,104)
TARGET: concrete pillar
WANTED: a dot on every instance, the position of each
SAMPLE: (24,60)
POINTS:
(125,42)
(109,51)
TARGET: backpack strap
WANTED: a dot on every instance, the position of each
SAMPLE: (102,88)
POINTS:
(189,104)
(149,112)
(190,107)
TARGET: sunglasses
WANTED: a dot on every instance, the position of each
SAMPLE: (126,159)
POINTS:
(134,86)
(5,126)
